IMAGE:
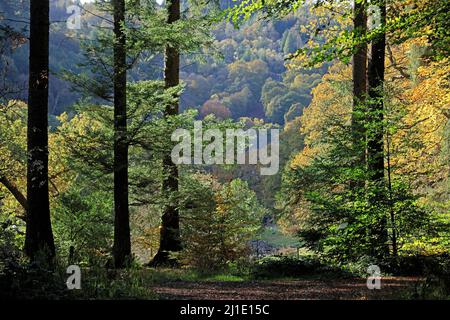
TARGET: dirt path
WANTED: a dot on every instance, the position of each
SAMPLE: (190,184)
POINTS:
(347,289)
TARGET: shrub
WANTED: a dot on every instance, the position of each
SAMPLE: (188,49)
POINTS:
(219,223)
(83,224)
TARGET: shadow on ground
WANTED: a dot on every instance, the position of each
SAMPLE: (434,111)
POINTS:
(346,289)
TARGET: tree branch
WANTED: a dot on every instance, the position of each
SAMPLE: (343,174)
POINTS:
(18,195)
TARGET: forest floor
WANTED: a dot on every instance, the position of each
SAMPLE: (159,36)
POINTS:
(287,289)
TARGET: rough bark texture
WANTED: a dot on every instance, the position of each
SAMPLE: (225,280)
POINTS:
(375,141)
(170,224)
(122,241)
(39,237)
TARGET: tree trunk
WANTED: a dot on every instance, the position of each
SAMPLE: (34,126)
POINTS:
(359,77)
(375,139)
(376,106)
(122,241)
(391,200)
(170,226)
(359,92)
(39,236)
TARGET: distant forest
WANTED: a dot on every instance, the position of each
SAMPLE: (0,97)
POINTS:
(243,74)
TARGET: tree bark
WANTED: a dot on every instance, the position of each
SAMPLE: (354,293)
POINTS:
(170,224)
(359,77)
(39,236)
(375,139)
(122,241)
(376,73)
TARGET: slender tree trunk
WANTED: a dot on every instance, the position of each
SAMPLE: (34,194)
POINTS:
(376,106)
(122,242)
(359,91)
(170,226)
(391,200)
(359,76)
(375,139)
(39,235)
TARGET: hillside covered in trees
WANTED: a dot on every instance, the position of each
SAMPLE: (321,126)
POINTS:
(349,100)
(239,68)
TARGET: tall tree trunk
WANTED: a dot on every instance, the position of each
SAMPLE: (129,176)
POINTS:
(359,90)
(39,235)
(170,224)
(359,74)
(122,241)
(391,200)
(375,140)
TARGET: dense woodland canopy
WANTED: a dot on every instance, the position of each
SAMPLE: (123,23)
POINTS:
(359,89)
